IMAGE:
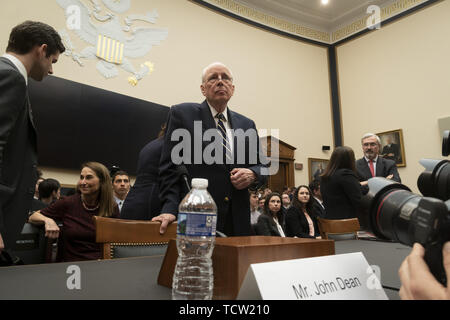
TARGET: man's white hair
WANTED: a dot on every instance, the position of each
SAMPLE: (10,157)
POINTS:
(368,135)
(214,64)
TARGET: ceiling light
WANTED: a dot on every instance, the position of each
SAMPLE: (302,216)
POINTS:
(324,2)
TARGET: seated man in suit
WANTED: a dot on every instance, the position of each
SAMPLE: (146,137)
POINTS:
(317,201)
(372,165)
(121,187)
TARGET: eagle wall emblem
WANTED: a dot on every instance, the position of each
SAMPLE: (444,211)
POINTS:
(110,42)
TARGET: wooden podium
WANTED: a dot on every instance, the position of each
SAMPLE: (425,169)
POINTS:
(233,256)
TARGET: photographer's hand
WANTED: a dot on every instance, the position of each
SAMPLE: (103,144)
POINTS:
(417,281)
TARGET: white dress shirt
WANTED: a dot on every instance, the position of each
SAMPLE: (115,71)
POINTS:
(119,203)
(254,215)
(280,229)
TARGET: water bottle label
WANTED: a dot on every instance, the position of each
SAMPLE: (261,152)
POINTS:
(196,225)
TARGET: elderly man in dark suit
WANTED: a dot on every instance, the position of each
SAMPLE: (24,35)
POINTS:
(372,165)
(32,49)
(231,170)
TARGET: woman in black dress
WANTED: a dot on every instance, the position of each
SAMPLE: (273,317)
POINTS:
(340,187)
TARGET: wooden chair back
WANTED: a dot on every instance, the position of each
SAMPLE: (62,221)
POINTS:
(341,229)
(129,238)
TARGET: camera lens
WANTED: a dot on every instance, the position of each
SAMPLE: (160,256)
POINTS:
(387,200)
(396,213)
(446,143)
(435,180)
(393,214)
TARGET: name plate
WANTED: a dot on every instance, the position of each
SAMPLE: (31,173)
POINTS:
(336,277)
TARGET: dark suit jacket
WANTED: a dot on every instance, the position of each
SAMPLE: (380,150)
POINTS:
(266,225)
(319,210)
(231,203)
(142,202)
(341,194)
(384,168)
(297,225)
(18,153)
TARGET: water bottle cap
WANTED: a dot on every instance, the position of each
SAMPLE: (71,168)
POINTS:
(199,183)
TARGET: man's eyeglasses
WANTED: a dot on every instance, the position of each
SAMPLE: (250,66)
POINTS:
(216,78)
(371,144)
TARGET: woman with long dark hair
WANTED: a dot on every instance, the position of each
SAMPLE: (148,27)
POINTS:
(340,187)
(301,218)
(94,198)
(271,221)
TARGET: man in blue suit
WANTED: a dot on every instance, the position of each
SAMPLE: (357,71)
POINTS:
(231,168)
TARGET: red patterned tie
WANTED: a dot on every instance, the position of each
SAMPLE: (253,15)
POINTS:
(372,170)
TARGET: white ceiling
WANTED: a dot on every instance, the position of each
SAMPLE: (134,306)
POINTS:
(313,14)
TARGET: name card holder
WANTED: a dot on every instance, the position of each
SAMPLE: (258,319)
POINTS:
(337,277)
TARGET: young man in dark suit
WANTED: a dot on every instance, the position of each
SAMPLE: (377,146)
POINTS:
(317,201)
(235,166)
(32,49)
(372,165)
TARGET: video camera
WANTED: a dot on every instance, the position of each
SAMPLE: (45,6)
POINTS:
(395,213)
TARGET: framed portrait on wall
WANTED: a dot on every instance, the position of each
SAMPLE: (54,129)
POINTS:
(316,167)
(392,146)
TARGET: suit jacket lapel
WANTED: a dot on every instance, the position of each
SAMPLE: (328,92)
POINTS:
(233,124)
(364,166)
(207,119)
(30,112)
(380,167)
(28,104)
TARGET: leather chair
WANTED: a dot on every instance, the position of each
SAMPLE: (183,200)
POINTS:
(132,238)
(342,229)
(32,247)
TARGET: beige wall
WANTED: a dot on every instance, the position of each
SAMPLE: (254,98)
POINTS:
(398,78)
(280,83)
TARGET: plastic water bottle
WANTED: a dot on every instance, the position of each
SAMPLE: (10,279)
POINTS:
(196,233)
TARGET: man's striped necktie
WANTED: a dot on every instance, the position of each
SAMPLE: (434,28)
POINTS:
(223,133)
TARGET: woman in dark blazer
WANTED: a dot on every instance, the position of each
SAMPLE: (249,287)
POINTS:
(340,187)
(271,221)
(301,217)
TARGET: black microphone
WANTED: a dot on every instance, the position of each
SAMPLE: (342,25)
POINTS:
(184,174)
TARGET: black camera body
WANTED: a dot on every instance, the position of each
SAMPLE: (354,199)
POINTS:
(395,213)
